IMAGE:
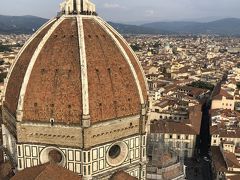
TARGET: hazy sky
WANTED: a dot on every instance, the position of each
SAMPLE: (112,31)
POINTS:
(133,10)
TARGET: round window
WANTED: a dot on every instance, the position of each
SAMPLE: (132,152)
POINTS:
(114,151)
(117,153)
(55,156)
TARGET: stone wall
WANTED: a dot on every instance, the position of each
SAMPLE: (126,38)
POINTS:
(51,135)
(111,131)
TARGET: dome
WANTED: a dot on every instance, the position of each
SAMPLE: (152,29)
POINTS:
(75,67)
(76,96)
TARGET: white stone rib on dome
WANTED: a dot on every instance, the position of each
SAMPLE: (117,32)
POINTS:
(83,64)
(22,50)
(89,104)
(125,57)
(30,67)
(126,43)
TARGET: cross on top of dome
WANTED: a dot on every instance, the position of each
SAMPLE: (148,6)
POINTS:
(84,7)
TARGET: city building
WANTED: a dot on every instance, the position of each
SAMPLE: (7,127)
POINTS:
(225,165)
(223,100)
(76,96)
(180,135)
(225,132)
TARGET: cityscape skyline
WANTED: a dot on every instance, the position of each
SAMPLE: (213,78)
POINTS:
(82,98)
(135,12)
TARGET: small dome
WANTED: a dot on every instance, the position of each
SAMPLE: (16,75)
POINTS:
(75,66)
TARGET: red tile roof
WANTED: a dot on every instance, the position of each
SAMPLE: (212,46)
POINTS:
(190,126)
(46,172)
(16,78)
(172,128)
(135,64)
(218,159)
(112,89)
(231,160)
(222,93)
(54,89)
(6,170)
(121,175)
(233,177)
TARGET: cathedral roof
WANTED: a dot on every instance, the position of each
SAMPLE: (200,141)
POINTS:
(46,172)
(6,170)
(75,66)
(122,175)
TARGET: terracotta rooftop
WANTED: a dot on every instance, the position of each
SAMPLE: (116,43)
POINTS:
(214,130)
(18,72)
(46,172)
(173,173)
(190,126)
(224,161)
(121,175)
(224,112)
(233,177)
(164,103)
(162,126)
(193,90)
(223,131)
(218,160)
(222,93)
(231,160)
(6,170)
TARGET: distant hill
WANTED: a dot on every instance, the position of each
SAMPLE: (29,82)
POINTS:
(29,24)
(134,29)
(228,26)
(20,24)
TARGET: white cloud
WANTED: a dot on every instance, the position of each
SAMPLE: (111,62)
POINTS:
(149,12)
(112,6)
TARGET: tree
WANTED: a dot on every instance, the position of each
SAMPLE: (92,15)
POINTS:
(135,47)
(5,48)
(1,62)
(238,85)
(3,76)
(203,85)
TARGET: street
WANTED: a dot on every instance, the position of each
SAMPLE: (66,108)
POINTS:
(201,169)
(205,140)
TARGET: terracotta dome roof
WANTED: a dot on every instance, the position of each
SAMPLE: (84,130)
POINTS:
(72,67)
